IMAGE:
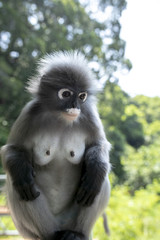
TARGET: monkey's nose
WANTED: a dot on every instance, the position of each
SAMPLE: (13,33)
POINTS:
(75,104)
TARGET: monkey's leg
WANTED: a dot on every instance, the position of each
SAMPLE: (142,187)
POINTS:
(88,215)
(31,218)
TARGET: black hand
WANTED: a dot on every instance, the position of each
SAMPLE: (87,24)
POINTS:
(88,190)
(22,172)
(24,184)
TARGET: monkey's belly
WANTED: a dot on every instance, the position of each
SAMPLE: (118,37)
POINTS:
(59,157)
(59,185)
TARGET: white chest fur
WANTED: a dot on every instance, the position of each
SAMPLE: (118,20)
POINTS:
(68,146)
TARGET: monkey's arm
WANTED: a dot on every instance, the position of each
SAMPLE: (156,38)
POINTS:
(18,165)
(17,159)
(96,163)
(93,174)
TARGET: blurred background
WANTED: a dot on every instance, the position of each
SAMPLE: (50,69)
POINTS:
(121,41)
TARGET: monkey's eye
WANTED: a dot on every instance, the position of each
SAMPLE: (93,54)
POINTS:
(64,93)
(83,96)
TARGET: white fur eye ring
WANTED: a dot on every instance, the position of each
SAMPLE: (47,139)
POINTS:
(64,93)
(83,96)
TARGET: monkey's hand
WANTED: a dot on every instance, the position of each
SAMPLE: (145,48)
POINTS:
(93,174)
(24,183)
(22,173)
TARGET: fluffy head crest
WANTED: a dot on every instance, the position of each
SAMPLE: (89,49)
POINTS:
(72,59)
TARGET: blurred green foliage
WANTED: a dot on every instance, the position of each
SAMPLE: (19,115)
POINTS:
(133,127)
(132,217)
(28,30)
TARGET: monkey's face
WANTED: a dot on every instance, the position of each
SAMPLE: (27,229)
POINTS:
(63,92)
(71,101)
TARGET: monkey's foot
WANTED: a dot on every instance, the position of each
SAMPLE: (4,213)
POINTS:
(68,235)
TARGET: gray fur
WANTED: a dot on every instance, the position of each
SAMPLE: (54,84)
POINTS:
(57,149)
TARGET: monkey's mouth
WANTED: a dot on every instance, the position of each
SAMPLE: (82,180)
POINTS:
(71,114)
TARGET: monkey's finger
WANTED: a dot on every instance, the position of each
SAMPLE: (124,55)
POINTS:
(33,173)
(84,192)
(31,192)
(83,179)
(34,192)
(90,200)
(88,197)
(80,198)
(85,200)
(80,195)
(22,193)
(86,182)
(93,193)
(26,193)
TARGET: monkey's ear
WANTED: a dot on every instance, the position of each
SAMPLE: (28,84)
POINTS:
(45,79)
(33,85)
